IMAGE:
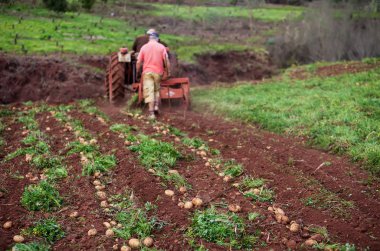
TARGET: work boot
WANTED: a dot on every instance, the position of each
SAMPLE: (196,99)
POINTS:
(156,108)
(151,115)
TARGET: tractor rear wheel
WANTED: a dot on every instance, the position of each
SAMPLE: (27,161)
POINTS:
(115,77)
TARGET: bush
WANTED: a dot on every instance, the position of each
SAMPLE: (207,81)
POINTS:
(47,229)
(87,4)
(42,196)
(56,5)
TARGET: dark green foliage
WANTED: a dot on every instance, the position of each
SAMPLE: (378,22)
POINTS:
(47,229)
(100,163)
(56,5)
(87,4)
(33,246)
(226,229)
(42,196)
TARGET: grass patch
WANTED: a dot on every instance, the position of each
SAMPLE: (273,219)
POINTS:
(41,197)
(196,143)
(32,246)
(47,229)
(98,163)
(340,114)
(232,168)
(225,229)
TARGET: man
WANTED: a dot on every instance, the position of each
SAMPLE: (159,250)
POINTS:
(154,58)
(140,41)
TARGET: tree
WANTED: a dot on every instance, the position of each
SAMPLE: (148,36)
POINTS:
(56,5)
(87,4)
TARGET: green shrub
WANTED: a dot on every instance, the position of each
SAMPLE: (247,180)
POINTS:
(56,5)
(32,246)
(226,229)
(100,163)
(42,196)
(47,229)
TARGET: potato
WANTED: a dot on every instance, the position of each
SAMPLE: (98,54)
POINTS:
(119,226)
(203,153)
(7,225)
(96,183)
(294,227)
(97,174)
(125,248)
(310,242)
(109,233)
(183,189)
(28,157)
(18,238)
(234,208)
(151,170)
(270,209)
(181,204)
(188,205)
(227,178)
(127,143)
(172,171)
(169,193)
(107,224)
(74,214)
(278,218)
(284,219)
(99,188)
(197,202)
(48,129)
(93,141)
(279,211)
(256,191)
(236,185)
(148,242)
(207,164)
(221,174)
(92,232)
(113,223)
(134,243)
(102,195)
(115,247)
(177,139)
(104,204)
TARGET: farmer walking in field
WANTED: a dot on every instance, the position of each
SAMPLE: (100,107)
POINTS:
(154,58)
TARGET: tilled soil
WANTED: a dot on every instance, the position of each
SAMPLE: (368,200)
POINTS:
(292,169)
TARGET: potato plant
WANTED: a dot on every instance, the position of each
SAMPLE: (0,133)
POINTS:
(47,229)
(32,246)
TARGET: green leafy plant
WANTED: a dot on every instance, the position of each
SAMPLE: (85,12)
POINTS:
(99,163)
(46,161)
(226,229)
(122,128)
(265,195)
(249,182)
(47,229)
(77,147)
(32,246)
(42,196)
(232,168)
(196,143)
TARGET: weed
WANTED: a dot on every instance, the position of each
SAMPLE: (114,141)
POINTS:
(226,229)
(77,147)
(47,229)
(46,162)
(32,246)
(121,128)
(253,216)
(99,163)
(319,230)
(335,246)
(56,173)
(249,182)
(42,196)
(177,132)
(196,143)
(265,195)
(232,168)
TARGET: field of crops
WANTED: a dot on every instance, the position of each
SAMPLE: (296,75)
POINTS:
(86,176)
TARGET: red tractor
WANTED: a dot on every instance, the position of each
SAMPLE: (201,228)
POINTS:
(121,76)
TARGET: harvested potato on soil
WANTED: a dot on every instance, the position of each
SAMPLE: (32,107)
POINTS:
(7,225)
(169,192)
(96,183)
(291,244)
(113,223)
(183,189)
(227,178)
(18,238)
(102,195)
(92,232)
(107,224)
(134,243)
(310,242)
(181,204)
(234,208)
(197,202)
(109,233)
(148,242)
(103,203)
(74,214)
(188,205)
(294,227)
(125,248)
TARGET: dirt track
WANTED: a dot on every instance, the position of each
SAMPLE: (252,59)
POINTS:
(290,167)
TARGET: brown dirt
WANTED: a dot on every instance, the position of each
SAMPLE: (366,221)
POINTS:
(228,67)
(51,78)
(333,70)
